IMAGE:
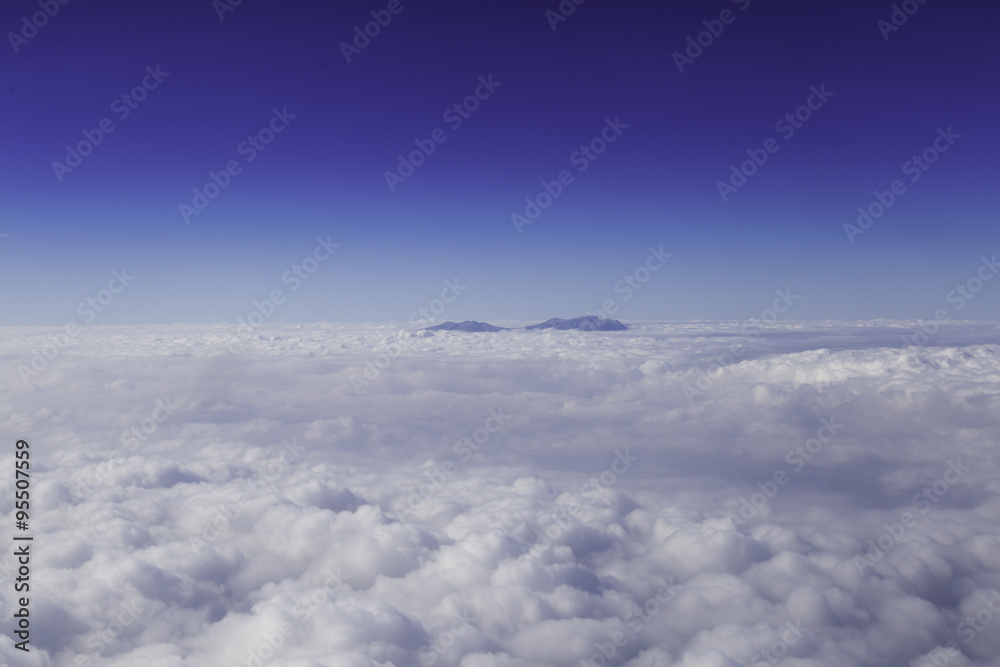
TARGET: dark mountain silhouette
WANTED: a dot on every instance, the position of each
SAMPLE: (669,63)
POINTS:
(587,323)
(467,325)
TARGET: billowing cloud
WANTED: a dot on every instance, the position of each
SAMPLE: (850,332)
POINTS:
(691,494)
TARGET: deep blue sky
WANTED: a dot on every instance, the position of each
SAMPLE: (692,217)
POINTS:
(655,185)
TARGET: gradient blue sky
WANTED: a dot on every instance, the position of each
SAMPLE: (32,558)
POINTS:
(656,185)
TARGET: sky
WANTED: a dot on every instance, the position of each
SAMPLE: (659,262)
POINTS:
(213,76)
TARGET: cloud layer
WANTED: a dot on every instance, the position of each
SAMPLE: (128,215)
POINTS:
(691,494)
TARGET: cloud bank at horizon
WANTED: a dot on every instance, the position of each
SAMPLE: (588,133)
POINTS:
(818,494)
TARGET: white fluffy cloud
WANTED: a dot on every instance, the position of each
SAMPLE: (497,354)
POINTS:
(669,495)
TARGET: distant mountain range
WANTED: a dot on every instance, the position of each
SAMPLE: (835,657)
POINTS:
(467,325)
(586,323)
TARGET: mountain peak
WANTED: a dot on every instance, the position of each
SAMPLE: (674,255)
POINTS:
(586,323)
(468,325)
